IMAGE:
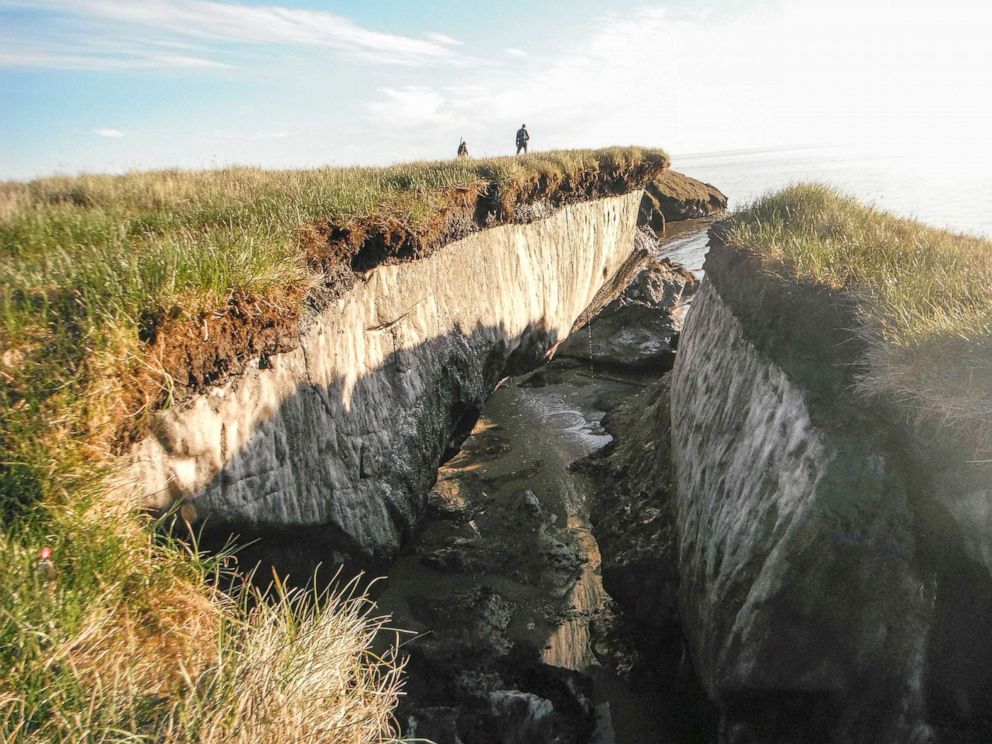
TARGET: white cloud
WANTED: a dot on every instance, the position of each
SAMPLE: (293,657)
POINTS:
(513,52)
(785,73)
(412,106)
(94,54)
(109,133)
(221,28)
(440,38)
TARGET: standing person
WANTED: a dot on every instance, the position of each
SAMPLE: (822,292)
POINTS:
(463,149)
(522,139)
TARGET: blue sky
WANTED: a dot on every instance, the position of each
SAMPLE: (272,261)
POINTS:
(110,85)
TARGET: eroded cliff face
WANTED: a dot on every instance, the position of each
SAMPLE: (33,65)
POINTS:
(795,550)
(821,561)
(342,436)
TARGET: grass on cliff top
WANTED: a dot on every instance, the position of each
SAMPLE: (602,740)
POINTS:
(115,244)
(925,295)
(131,642)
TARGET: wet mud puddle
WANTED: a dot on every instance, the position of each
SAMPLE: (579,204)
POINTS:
(502,585)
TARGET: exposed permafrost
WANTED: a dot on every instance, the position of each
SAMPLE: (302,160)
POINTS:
(796,552)
(344,433)
(832,587)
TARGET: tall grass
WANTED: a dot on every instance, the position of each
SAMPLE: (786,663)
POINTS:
(132,641)
(300,668)
(159,654)
(925,295)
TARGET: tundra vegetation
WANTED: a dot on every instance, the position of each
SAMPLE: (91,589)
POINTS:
(924,296)
(132,639)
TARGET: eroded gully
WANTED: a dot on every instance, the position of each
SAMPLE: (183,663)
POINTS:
(501,587)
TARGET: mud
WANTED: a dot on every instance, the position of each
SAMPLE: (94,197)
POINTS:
(503,586)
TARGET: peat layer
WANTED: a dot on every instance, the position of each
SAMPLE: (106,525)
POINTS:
(197,353)
(340,255)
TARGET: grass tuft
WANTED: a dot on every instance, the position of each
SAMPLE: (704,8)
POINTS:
(924,294)
(134,641)
(295,667)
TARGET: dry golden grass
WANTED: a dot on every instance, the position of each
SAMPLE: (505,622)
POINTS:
(295,670)
(173,660)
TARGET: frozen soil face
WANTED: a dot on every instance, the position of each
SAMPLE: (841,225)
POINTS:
(197,353)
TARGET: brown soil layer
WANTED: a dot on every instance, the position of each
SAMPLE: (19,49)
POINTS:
(196,353)
(673,196)
(381,239)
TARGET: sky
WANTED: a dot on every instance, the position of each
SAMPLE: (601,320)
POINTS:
(116,85)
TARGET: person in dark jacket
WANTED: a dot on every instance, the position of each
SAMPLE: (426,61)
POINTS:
(463,149)
(522,139)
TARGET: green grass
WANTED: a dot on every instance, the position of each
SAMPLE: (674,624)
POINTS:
(924,295)
(134,642)
(114,245)
(82,261)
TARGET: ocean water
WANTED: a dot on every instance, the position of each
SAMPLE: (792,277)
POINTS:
(949,187)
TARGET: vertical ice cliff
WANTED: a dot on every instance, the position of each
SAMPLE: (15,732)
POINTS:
(796,549)
(821,562)
(342,436)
